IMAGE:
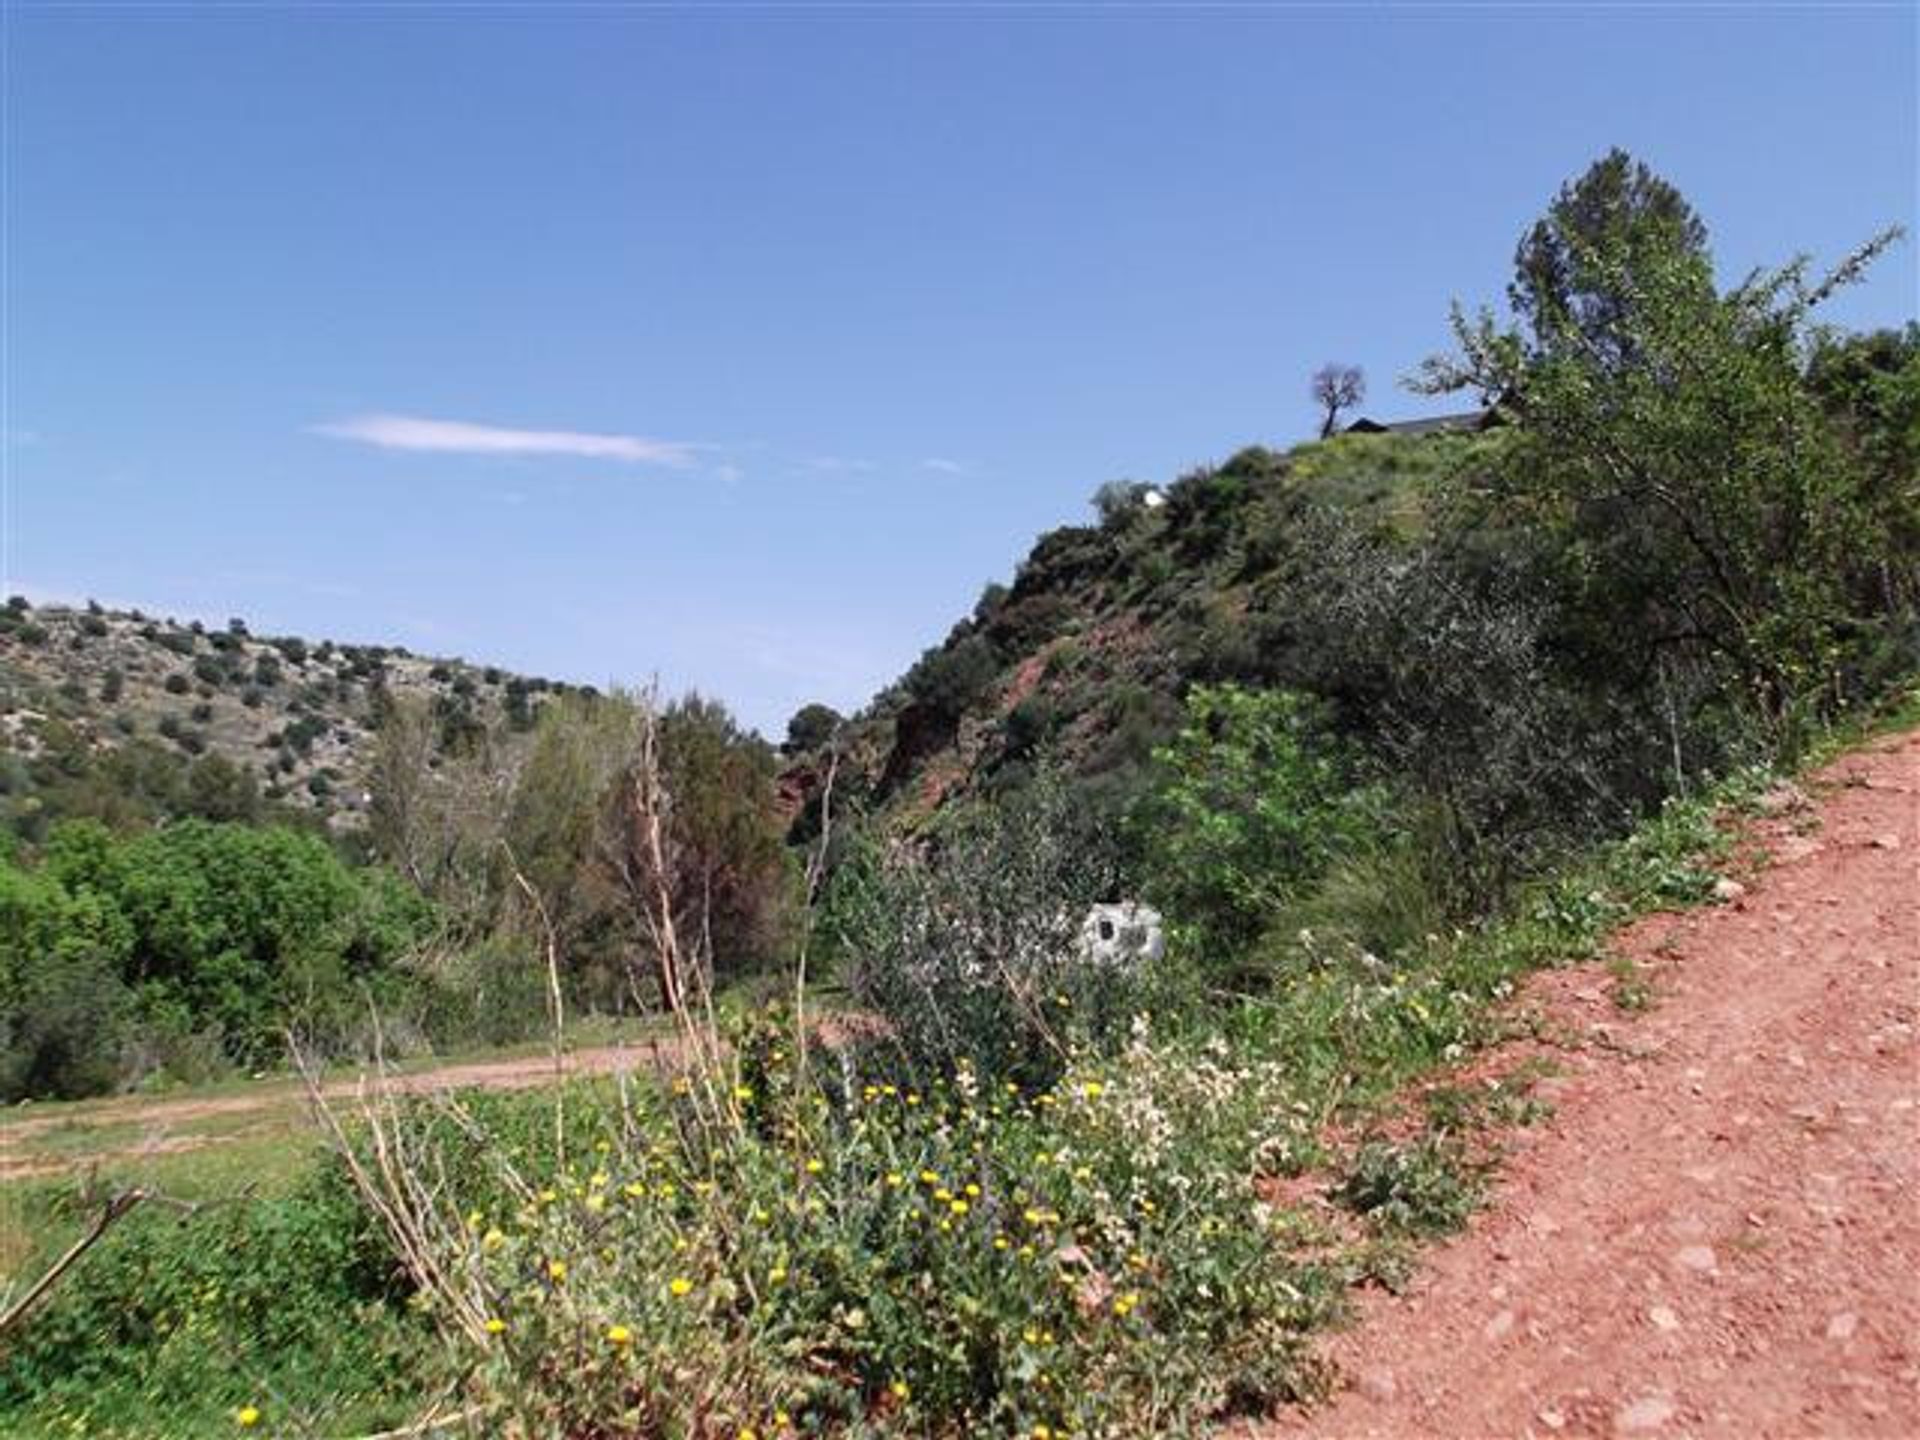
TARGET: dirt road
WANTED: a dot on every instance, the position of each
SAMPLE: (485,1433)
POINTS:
(1718,1232)
(141,1125)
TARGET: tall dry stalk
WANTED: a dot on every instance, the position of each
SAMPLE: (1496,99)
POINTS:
(556,1003)
(815,877)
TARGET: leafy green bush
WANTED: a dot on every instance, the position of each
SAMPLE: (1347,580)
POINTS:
(1423,1188)
(950,678)
(1717,525)
(222,929)
(1254,800)
(64,1008)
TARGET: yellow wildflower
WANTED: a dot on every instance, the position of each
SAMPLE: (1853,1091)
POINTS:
(556,1270)
(680,1285)
(618,1335)
(495,1325)
(246,1417)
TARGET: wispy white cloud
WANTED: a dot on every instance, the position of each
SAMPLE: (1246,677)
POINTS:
(463,437)
(838,465)
(944,466)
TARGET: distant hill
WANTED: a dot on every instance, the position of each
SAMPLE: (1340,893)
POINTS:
(81,685)
(1089,648)
(1084,654)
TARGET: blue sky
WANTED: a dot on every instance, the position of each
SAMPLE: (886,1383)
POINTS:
(744,346)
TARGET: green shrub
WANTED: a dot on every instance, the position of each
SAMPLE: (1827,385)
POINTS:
(811,727)
(223,927)
(1423,1188)
(970,952)
(1030,725)
(950,678)
(1253,801)
(63,1006)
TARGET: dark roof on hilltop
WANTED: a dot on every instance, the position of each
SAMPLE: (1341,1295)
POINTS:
(1466,422)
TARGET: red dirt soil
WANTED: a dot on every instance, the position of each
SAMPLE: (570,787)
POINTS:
(1718,1230)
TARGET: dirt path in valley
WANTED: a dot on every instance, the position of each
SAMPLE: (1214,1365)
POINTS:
(1718,1231)
(158,1121)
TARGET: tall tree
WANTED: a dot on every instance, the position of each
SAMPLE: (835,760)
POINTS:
(1700,515)
(1335,388)
(690,835)
(1576,271)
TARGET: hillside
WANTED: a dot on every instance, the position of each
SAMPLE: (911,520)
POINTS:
(151,703)
(1086,652)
